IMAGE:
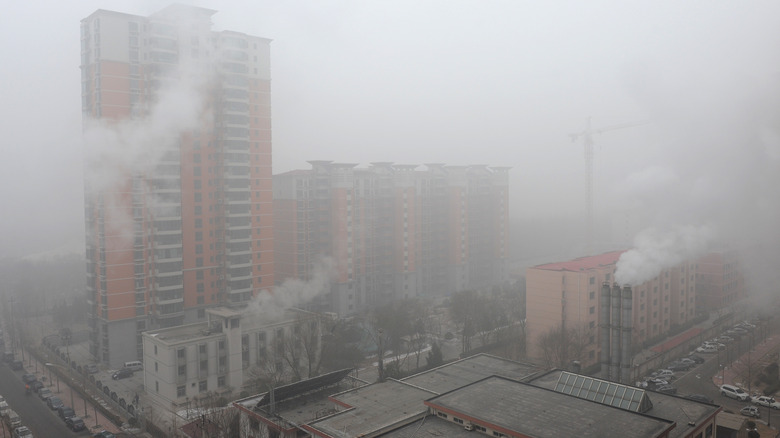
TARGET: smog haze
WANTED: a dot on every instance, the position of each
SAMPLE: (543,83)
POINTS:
(499,83)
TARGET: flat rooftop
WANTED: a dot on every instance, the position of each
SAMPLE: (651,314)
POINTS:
(681,410)
(432,426)
(371,408)
(499,403)
(214,326)
(461,372)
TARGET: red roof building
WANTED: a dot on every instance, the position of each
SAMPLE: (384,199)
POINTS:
(567,295)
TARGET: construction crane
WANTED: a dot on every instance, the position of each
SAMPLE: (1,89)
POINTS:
(587,141)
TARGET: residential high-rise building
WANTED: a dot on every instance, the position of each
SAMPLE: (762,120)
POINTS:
(187,223)
(391,231)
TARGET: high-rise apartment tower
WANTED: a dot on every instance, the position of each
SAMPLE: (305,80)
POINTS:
(391,231)
(184,223)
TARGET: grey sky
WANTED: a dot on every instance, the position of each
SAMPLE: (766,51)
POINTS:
(459,82)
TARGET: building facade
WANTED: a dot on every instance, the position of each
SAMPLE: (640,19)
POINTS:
(720,282)
(186,225)
(227,353)
(568,295)
(392,231)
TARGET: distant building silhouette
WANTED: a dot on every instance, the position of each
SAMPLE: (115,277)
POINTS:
(393,231)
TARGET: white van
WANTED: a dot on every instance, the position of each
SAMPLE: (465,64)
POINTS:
(134,365)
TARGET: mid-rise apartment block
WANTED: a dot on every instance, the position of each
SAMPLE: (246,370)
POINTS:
(187,225)
(231,351)
(392,231)
(720,281)
(567,295)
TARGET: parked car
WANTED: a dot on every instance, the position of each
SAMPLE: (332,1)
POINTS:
(767,401)
(53,402)
(44,393)
(4,408)
(707,349)
(750,411)
(36,385)
(91,368)
(104,434)
(697,359)
(700,398)
(122,373)
(22,432)
(28,378)
(715,344)
(75,423)
(666,389)
(65,412)
(734,392)
(678,366)
(690,362)
(725,339)
(655,381)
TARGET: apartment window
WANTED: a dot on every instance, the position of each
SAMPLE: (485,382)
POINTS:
(157,386)
(181,391)
(182,371)
(156,367)
(592,295)
(201,300)
(592,310)
(592,280)
(592,324)
(203,386)
(180,353)
(198,223)
(155,350)
(221,381)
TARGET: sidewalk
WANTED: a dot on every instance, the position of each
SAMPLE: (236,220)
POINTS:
(758,358)
(93,418)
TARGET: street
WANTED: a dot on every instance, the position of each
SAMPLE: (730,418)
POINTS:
(42,421)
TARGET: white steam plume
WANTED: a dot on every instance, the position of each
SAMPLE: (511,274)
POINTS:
(714,160)
(269,305)
(656,249)
(116,149)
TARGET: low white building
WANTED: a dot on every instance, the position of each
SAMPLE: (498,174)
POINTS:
(227,353)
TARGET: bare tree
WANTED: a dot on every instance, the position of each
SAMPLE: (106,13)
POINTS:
(560,346)
(461,308)
(302,347)
(215,417)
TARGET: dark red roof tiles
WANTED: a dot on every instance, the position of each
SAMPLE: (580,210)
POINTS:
(584,263)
